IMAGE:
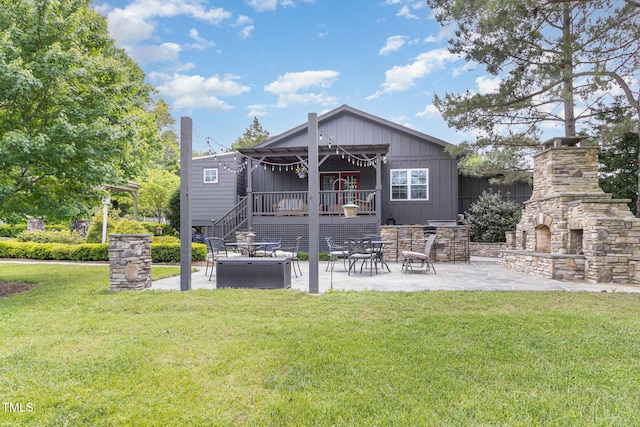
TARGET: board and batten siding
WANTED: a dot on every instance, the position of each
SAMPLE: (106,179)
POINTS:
(211,201)
(407,150)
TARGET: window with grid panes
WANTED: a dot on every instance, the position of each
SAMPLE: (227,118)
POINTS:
(410,184)
(210,176)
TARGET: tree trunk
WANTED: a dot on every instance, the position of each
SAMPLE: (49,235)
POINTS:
(567,73)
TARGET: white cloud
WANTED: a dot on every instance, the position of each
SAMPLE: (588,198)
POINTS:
(488,85)
(257,110)
(132,25)
(405,12)
(197,91)
(246,26)
(468,66)
(394,43)
(406,7)
(200,42)
(402,78)
(430,111)
(270,5)
(293,88)
(263,5)
(145,54)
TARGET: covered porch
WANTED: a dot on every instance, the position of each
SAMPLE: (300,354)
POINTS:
(278,186)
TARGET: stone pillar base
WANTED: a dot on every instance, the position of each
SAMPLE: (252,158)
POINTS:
(130,261)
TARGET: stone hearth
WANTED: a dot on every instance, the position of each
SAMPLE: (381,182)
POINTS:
(571,229)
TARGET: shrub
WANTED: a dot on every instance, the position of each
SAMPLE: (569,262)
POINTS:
(165,239)
(11,230)
(160,253)
(491,216)
(170,252)
(38,236)
(167,230)
(130,227)
(94,233)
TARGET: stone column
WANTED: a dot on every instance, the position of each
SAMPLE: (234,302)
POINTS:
(130,261)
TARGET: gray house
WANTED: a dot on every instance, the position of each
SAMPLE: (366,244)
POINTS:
(393,174)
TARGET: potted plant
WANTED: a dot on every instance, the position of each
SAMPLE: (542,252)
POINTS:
(350,208)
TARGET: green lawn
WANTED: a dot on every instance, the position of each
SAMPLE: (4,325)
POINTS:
(74,354)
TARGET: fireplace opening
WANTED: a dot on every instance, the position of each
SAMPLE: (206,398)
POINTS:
(543,239)
(575,242)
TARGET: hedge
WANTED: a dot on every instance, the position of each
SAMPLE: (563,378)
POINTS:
(160,252)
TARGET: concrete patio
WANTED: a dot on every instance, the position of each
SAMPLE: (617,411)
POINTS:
(480,274)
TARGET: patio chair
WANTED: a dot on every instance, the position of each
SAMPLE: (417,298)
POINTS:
(411,257)
(291,252)
(217,248)
(361,250)
(269,250)
(336,252)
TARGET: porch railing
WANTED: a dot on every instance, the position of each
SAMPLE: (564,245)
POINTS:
(236,218)
(296,203)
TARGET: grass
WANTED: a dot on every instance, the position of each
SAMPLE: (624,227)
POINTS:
(80,355)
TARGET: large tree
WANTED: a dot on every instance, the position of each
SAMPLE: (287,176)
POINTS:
(252,136)
(554,61)
(171,146)
(619,153)
(73,110)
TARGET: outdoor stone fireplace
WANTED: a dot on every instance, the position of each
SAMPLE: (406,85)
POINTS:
(570,229)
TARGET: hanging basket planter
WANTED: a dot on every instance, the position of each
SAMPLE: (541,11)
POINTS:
(301,171)
(350,210)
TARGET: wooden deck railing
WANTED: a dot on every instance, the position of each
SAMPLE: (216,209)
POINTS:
(285,203)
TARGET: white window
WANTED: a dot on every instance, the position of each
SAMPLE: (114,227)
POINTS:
(210,176)
(409,184)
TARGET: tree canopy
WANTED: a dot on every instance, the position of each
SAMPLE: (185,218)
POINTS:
(253,136)
(73,110)
(553,61)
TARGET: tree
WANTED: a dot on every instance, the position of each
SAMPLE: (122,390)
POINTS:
(619,153)
(253,136)
(155,191)
(72,110)
(173,210)
(554,61)
(171,147)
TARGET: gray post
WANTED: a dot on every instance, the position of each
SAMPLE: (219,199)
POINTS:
(186,132)
(314,200)
(249,193)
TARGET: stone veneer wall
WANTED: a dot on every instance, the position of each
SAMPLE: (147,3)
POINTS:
(489,250)
(451,244)
(130,261)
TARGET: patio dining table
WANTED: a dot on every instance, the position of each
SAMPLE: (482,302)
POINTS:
(378,247)
(251,248)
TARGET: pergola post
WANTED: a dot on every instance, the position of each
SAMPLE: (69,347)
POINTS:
(314,202)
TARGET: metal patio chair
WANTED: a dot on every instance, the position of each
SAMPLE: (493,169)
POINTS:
(336,252)
(291,252)
(361,250)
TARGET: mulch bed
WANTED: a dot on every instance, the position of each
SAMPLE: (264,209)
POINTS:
(9,288)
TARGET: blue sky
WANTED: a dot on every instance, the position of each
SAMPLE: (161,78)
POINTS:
(224,62)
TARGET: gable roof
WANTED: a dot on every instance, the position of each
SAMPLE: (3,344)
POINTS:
(345,109)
